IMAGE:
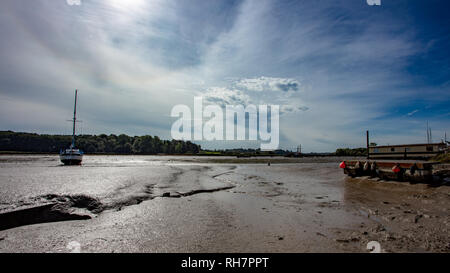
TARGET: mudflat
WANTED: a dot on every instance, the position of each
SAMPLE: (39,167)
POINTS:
(212,204)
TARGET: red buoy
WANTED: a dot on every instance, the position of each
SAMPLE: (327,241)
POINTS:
(342,165)
(396,169)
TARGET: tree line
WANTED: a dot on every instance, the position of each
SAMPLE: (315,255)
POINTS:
(104,144)
(351,152)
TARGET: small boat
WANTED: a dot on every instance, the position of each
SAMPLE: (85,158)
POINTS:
(72,155)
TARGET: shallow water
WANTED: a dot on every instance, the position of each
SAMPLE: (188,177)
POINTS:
(25,176)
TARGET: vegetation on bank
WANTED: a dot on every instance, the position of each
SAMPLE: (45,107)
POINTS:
(16,142)
(105,144)
(351,152)
(242,152)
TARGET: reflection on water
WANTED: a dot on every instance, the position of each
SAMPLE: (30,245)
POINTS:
(27,176)
(115,177)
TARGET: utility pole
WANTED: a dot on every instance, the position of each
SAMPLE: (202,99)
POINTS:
(367,144)
(299,149)
(431,137)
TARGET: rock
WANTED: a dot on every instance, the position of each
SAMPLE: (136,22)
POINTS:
(417,217)
(379,228)
(280,238)
(390,238)
(166,194)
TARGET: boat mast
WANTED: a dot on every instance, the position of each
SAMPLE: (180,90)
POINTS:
(74,119)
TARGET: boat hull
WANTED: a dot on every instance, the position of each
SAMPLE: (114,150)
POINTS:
(71,159)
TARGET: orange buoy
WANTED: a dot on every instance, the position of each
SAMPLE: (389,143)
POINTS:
(342,165)
(396,169)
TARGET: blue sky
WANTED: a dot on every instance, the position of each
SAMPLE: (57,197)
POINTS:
(336,68)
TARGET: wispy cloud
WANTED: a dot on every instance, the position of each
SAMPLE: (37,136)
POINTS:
(268,84)
(413,112)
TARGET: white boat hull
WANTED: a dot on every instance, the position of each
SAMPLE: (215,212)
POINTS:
(71,158)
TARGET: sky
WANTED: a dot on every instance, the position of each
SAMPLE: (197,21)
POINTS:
(336,67)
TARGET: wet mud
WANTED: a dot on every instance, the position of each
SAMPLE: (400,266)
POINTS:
(403,217)
(55,208)
(160,204)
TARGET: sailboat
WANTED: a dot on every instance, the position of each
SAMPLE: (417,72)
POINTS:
(72,155)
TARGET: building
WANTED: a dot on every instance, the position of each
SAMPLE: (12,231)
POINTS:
(407,150)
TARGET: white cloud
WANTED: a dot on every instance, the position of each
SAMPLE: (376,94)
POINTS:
(224,96)
(260,91)
(268,84)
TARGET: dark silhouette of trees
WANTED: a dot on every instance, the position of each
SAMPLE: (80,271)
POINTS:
(109,144)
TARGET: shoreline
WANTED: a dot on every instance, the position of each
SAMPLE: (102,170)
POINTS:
(199,154)
(201,159)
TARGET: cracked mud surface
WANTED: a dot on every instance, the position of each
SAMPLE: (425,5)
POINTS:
(55,207)
(170,204)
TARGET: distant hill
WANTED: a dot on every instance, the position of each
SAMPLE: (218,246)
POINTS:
(105,144)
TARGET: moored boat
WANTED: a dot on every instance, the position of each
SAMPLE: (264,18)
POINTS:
(72,155)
